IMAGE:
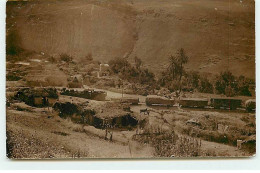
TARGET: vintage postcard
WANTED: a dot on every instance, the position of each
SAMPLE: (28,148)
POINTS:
(130,79)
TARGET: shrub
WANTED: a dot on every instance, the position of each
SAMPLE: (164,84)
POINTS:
(65,57)
(224,80)
(172,145)
(12,77)
(230,85)
(13,43)
(119,65)
(74,85)
(134,74)
(205,86)
(52,59)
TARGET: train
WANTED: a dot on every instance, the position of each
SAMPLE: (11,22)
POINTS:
(214,102)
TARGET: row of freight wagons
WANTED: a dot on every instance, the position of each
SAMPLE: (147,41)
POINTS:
(217,103)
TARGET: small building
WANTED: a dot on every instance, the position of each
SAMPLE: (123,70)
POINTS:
(103,70)
(77,78)
(108,115)
(38,97)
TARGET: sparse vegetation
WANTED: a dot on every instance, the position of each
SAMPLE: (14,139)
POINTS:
(225,83)
(104,109)
(171,145)
(175,78)
(52,59)
(228,84)
(12,77)
(176,66)
(13,43)
(133,74)
(66,58)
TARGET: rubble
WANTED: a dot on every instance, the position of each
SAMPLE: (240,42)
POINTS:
(193,122)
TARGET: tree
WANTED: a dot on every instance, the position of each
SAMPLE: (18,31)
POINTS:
(226,83)
(176,65)
(119,65)
(205,86)
(65,57)
(193,78)
(89,57)
(243,86)
(13,43)
(138,62)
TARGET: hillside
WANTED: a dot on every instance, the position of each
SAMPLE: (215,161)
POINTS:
(216,34)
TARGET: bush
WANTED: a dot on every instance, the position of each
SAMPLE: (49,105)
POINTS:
(13,43)
(65,57)
(230,85)
(52,59)
(110,83)
(134,74)
(12,77)
(190,82)
(119,65)
(74,85)
(205,86)
(243,86)
(172,145)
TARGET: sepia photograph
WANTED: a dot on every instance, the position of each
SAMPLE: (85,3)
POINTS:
(130,79)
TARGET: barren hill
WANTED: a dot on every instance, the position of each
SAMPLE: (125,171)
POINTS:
(216,34)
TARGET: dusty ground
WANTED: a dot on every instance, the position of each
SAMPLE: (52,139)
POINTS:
(35,135)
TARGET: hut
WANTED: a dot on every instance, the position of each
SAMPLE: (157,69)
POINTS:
(38,97)
(103,70)
(159,100)
(106,115)
(194,102)
(114,115)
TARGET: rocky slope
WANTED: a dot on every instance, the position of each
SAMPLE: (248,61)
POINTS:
(216,34)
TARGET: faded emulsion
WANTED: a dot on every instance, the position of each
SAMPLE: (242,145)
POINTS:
(130,79)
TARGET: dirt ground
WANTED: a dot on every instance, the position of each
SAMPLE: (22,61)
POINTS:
(40,135)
